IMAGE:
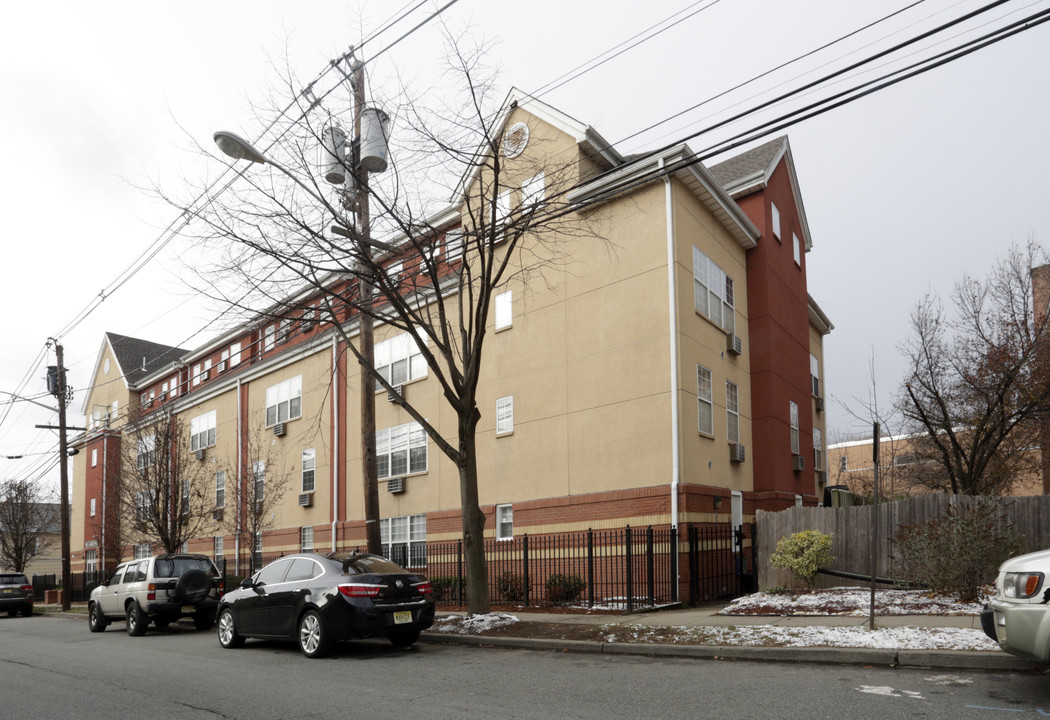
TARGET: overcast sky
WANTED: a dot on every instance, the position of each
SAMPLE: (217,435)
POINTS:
(905,190)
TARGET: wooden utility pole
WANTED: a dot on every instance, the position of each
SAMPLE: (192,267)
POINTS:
(876,441)
(63,469)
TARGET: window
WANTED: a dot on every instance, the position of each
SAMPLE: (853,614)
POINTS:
(404,540)
(502,213)
(174,390)
(144,505)
(394,271)
(92,507)
(220,489)
(164,391)
(99,416)
(732,412)
(398,360)
(196,380)
(202,431)
(218,551)
(843,464)
(309,465)
(505,415)
(283,330)
(234,355)
(454,244)
(776,221)
(141,551)
(532,190)
(147,452)
(259,474)
(705,402)
(504,522)
(713,293)
(504,305)
(401,450)
(814,374)
(793,411)
(91,561)
(268,338)
(306,539)
(796,249)
(284,401)
(94,457)
(257,549)
(818,450)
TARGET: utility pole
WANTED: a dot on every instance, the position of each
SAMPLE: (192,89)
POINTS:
(60,393)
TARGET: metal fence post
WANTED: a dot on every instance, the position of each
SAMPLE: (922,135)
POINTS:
(629,569)
(525,564)
(674,564)
(590,568)
(459,572)
(649,568)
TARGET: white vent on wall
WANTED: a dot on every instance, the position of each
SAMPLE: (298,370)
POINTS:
(395,485)
(737,453)
(200,454)
(278,429)
(395,394)
(734,344)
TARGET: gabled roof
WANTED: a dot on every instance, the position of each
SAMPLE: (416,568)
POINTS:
(750,171)
(140,358)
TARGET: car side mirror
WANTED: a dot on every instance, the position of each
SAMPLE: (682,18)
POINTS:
(246,583)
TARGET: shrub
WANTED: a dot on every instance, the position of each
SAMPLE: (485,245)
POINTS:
(803,554)
(511,587)
(564,588)
(959,553)
(444,587)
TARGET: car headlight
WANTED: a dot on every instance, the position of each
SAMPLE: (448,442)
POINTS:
(1022,585)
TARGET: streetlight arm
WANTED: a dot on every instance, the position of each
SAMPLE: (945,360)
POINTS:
(25,399)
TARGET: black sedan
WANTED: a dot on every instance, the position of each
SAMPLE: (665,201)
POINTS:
(320,599)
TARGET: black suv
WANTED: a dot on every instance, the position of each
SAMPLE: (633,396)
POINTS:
(16,594)
(160,589)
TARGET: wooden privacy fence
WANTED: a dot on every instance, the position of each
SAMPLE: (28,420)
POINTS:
(851,531)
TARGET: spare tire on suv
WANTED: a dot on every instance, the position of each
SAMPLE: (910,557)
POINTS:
(160,589)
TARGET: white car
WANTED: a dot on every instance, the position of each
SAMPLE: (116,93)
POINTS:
(1018,616)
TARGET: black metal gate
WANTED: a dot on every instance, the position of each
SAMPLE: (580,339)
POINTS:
(718,563)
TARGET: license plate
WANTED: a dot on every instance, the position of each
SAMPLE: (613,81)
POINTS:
(8,591)
(189,609)
(402,616)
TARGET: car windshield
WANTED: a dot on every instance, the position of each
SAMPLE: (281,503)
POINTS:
(13,580)
(374,565)
(167,567)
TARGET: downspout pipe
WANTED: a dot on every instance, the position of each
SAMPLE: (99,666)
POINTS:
(336,433)
(240,462)
(672,314)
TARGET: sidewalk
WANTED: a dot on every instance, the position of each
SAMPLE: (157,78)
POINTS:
(520,635)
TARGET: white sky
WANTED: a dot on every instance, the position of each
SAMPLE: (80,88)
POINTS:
(905,190)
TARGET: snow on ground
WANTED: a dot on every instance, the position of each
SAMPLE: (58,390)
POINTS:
(472,625)
(850,601)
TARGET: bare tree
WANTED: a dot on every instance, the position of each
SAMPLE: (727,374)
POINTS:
(164,491)
(28,518)
(264,481)
(437,278)
(975,387)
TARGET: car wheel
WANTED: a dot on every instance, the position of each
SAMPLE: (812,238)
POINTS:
(203,621)
(193,587)
(404,639)
(136,620)
(27,611)
(228,635)
(97,622)
(12,613)
(312,639)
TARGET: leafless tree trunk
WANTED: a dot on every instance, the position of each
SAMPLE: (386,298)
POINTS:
(975,388)
(28,519)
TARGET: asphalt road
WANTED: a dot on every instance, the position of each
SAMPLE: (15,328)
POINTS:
(52,667)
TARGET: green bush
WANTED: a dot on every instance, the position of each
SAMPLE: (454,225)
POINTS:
(803,554)
(959,553)
(444,587)
(564,588)
(511,587)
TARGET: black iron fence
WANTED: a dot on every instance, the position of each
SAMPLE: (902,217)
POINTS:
(718,566)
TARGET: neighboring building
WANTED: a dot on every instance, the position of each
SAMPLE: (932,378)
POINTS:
(49,544)
(671,364)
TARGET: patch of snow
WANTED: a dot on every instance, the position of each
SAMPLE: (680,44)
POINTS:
(473,624)
(850,601)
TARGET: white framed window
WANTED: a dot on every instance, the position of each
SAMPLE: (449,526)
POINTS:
(705,402)
(218,551)
(398,360)
(196,379)
(504,522)
(793,415)
(401,450)
(268,338)
(502,213)
(147,452)
(284,328)
(454,245)
(796,249)
(202,431)
(259,476)
(394,272)
(814,374)
(91,561)
(164,390)
(284,401)
(309,468)
(174,388)
(220,489)
(206,373)
(116,408)
(99,416)
(818,449)
(713,292)
(92,507)
(235,354)
(306,538)
(142,551)
(404,540)
(732,412)
(505,415)
(94,457)
(533,190)
(504,310)
(257,545)
(776,220)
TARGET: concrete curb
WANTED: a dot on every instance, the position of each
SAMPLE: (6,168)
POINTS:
(957,660)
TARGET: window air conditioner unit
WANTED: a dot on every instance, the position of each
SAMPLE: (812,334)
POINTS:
(395,485)
(736,453)
(734,344)
(216,514)
(822,477)
(798,463)
(200,453)
(395,394)
(278,429)
(820,404)
(306,499)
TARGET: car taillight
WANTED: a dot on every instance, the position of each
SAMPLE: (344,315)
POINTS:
(360,590)
(221,587)
(1022,585)
(424,587)
(151,591)
(27,588)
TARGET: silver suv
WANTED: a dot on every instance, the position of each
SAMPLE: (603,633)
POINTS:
(160,589)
